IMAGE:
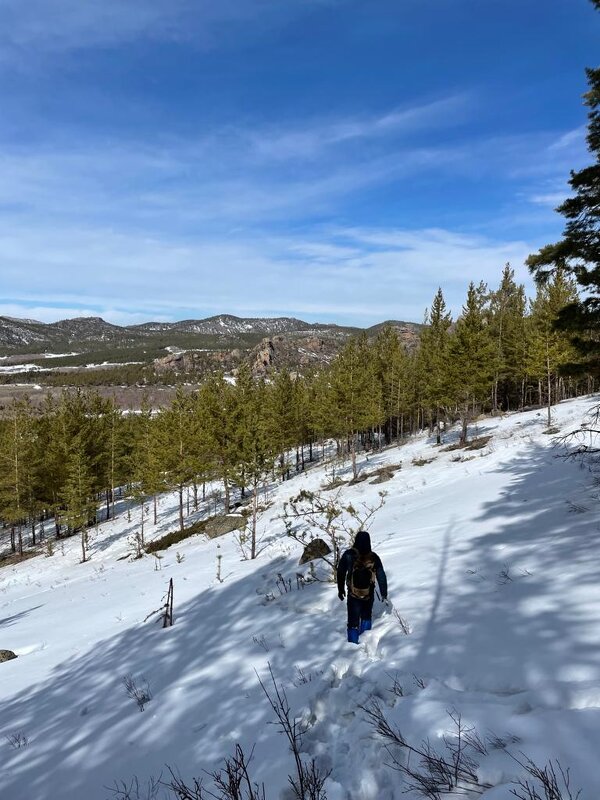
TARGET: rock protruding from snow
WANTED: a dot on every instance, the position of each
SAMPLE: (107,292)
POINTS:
(7,655)
(219,526)
(318,548)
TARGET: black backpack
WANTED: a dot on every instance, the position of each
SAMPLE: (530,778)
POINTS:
(362,575)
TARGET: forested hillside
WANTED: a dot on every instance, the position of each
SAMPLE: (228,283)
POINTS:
(65,460)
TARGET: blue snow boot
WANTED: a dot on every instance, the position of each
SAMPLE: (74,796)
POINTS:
(365,625)
(353,635)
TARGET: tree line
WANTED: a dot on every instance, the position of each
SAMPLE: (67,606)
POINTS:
(65,461)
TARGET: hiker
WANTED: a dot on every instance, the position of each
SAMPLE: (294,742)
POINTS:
(358,568)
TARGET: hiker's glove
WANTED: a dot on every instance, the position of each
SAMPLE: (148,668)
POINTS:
(341,595)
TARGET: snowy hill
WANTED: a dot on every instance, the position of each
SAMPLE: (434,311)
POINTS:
(492,560)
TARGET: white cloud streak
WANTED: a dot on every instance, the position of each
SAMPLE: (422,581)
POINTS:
(230,174)
(347,275)
(311,140)
(34,28)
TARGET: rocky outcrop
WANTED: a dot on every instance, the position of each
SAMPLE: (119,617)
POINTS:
(6,655)
(265,357)
(219,526)
(196,361)
(318,548)
(291,352)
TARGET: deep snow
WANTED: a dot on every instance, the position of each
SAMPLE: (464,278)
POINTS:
(493,562)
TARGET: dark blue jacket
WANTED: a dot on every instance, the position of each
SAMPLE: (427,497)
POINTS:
(346,564)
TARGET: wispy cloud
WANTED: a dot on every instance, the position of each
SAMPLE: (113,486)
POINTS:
(347,275)
(38,27)
(552,199)
(311,140)
(548,173)
(227,175)
(168,230)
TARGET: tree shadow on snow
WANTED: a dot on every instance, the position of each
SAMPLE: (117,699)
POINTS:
(206,693)
(518,616)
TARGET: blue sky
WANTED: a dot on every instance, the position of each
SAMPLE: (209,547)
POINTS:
(334,160)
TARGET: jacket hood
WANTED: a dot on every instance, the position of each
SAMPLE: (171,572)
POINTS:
(363,542)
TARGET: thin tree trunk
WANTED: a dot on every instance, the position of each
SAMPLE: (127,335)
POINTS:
(549,378)
(254,516)
(227,495)
(181,525)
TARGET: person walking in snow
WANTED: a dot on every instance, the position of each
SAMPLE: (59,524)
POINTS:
(358,569)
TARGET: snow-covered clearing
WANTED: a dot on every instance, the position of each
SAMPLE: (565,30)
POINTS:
(493,561)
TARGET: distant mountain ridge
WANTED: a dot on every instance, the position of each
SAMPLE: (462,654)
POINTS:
(85,332)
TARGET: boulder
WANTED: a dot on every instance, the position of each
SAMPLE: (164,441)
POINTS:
(317,548)
(219,526)
(7,655)
(383,477)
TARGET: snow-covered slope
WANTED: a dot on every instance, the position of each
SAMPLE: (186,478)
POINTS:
(492,561)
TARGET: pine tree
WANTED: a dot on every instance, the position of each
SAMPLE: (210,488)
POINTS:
(109,430)
(550,348)
(578,252)
(356,393)
(302,419)
(434,356)
(283,418)
(508,329)
(471,351)
(322,408)
(77,494)
(255,450)
(175,429)
(217,403)
(53,456)
(147,473)
(392,368)
(16,473)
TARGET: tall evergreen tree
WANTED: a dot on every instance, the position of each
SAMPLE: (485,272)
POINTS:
(16,473)
(323,413)
(549,347)
(578,252)
(507,310)
(283,418)
(356,393)
(147,472)
(392,374)
(434,357)
(54,440)
(471,351)
(77,494)
(255,450)
(175,438)
(218,405)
